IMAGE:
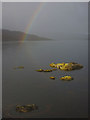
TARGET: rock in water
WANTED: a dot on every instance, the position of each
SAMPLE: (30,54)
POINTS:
(40,70)
(26,108)
(66,78)
(52,77)
(19,67)
(67,66)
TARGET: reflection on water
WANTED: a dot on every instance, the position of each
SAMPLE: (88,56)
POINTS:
(55,98)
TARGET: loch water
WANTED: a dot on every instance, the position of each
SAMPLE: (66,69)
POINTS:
(54,98)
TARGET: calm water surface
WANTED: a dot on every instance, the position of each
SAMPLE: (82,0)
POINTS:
(54,98)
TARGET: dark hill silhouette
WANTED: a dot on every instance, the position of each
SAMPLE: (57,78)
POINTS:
(8,35)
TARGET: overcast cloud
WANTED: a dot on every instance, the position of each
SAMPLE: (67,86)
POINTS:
(53,18)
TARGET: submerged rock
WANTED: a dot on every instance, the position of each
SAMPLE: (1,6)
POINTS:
(54,69)
(66,78)
(26,108)
(40,70)
(47,70)
(19,67)
(67,66)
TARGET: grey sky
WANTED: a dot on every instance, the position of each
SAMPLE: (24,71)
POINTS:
(0,15)
(45,0)
(53,18)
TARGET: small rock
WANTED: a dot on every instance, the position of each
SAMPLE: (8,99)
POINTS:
(26,108)
(66,78)
(40,70)
(47,70)
(19,67)
(52,77)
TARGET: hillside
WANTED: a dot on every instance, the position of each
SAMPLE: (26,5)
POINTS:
(8,35)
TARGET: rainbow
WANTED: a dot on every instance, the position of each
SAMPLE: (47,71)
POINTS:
(31,21)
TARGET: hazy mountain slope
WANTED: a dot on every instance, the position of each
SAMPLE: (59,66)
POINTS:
(8,35)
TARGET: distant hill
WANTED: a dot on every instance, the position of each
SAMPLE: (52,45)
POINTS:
(8,35)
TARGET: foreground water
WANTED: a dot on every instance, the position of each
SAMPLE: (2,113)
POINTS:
(54,98)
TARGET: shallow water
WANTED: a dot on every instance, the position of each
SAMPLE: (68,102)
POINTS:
(54,98)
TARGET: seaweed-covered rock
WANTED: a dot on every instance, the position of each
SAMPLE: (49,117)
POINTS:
(54,69)
(52,77)
(47,70)
(53,65)
(40,70)
(67,66)
(26,108)
(66,78)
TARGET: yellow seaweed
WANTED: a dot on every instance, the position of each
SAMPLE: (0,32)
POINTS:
(47,70)
(66,78)
(26,108)
(54,69)
(19,67)
(52,77)
(52,65)
(40,70)
(67,66)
